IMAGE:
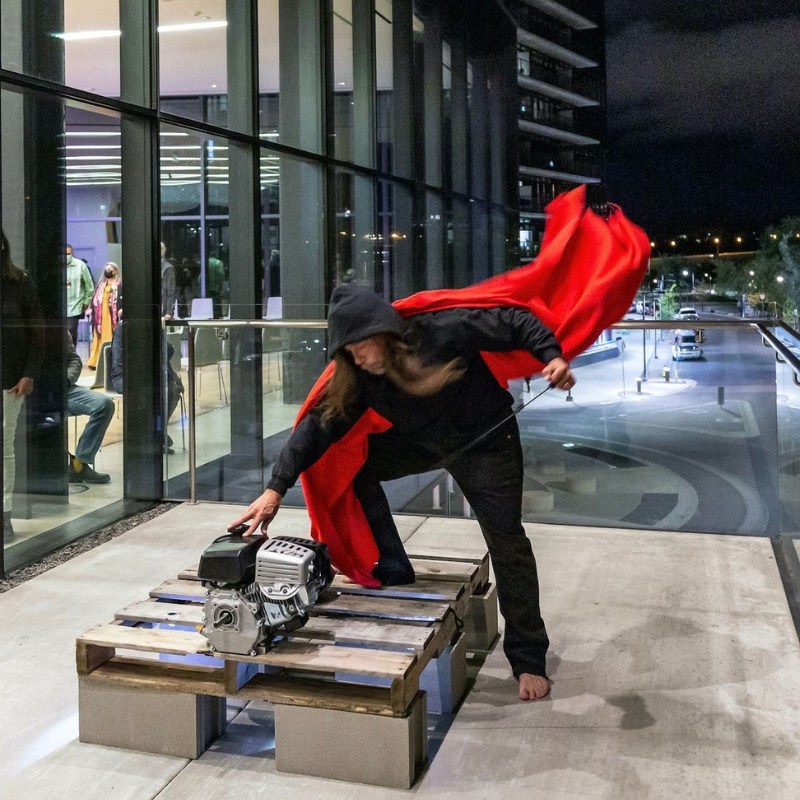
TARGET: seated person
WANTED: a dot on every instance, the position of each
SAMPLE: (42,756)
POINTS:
(174,382)
(99,408)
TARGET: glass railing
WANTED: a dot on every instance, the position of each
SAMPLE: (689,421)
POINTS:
(242,385)
(655,435)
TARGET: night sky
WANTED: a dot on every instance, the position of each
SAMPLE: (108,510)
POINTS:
(704,112)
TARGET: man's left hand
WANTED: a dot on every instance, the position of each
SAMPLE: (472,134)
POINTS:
(558,373)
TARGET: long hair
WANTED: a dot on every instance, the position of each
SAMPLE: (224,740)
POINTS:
(404,367)
(8,270)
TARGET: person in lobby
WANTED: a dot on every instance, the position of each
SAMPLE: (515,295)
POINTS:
(169,291)
(105,310)
(99,408)
(174,382)
(80,288)
(23,348)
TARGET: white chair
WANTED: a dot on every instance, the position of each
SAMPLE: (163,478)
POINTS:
(108,386)
(202,308)
(274,308)
(208,352)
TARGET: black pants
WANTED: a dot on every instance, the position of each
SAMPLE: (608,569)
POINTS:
(490,476)
(72,327)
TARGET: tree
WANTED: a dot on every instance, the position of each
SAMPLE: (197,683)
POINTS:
(779,260)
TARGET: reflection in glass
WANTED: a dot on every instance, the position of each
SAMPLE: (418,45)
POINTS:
(76,44)
(343,97)
(290,73)
(195,269)
(292,236)
(193,51)
(356,238)
(61,193)
(384,61)
(394,276)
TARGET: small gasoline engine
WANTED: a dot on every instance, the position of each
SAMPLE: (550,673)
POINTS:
(258,587)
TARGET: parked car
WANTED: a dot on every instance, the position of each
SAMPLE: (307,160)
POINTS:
(684,345)
(643,308)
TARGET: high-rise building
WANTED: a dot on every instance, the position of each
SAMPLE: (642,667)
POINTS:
(562,108)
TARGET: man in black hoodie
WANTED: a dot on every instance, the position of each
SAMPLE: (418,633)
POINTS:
(425,375)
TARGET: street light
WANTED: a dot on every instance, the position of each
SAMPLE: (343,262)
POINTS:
(686,275)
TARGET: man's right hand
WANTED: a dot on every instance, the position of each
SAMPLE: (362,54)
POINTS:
(261,512)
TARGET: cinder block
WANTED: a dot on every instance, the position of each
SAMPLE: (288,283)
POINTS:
(348,746)
(444,680)
(165,723)
(481,623)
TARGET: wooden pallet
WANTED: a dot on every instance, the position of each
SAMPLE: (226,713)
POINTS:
(362,652)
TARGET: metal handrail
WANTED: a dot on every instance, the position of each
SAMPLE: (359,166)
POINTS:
(761,324)
(687,324)
(245,323)
(783,354)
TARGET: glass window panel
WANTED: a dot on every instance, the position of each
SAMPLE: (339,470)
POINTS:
(61,192)
(384,60)
(193,52)
(76,43)
(292,238)
(290,51)
(343,100)
(355,236)
(394,275)
(194,224)
(435,231)
(447,115)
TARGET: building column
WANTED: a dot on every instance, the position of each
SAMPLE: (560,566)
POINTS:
(143,354)
(244,210)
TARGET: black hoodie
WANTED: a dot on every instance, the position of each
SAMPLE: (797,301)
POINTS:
(441,423)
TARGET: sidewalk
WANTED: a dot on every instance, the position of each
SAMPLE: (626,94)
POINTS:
(675,663)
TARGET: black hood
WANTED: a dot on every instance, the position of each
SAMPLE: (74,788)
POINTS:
(356,313)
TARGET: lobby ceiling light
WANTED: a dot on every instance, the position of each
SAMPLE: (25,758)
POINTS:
(76,36)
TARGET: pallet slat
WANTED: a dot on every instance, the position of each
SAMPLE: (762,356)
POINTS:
(189,589)
(426,569)
(162,612)
(376,633)
(411,610)
(420,590)
(289,655)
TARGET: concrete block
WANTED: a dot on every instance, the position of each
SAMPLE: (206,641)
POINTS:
(481,623)
(444,680)
(353,747)
(165,723)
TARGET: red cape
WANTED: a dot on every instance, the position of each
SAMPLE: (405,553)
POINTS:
(584,280)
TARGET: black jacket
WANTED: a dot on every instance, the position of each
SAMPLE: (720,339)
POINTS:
(446,421)
(23,331)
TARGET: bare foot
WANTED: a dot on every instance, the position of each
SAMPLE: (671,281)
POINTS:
(533,687)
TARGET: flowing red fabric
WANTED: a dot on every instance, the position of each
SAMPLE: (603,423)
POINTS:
(584,280)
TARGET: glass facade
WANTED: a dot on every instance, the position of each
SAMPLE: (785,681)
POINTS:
(233,163)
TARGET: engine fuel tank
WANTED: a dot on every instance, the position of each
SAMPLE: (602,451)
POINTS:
(231,559)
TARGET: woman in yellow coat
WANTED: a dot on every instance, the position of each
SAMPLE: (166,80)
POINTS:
(105,310)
